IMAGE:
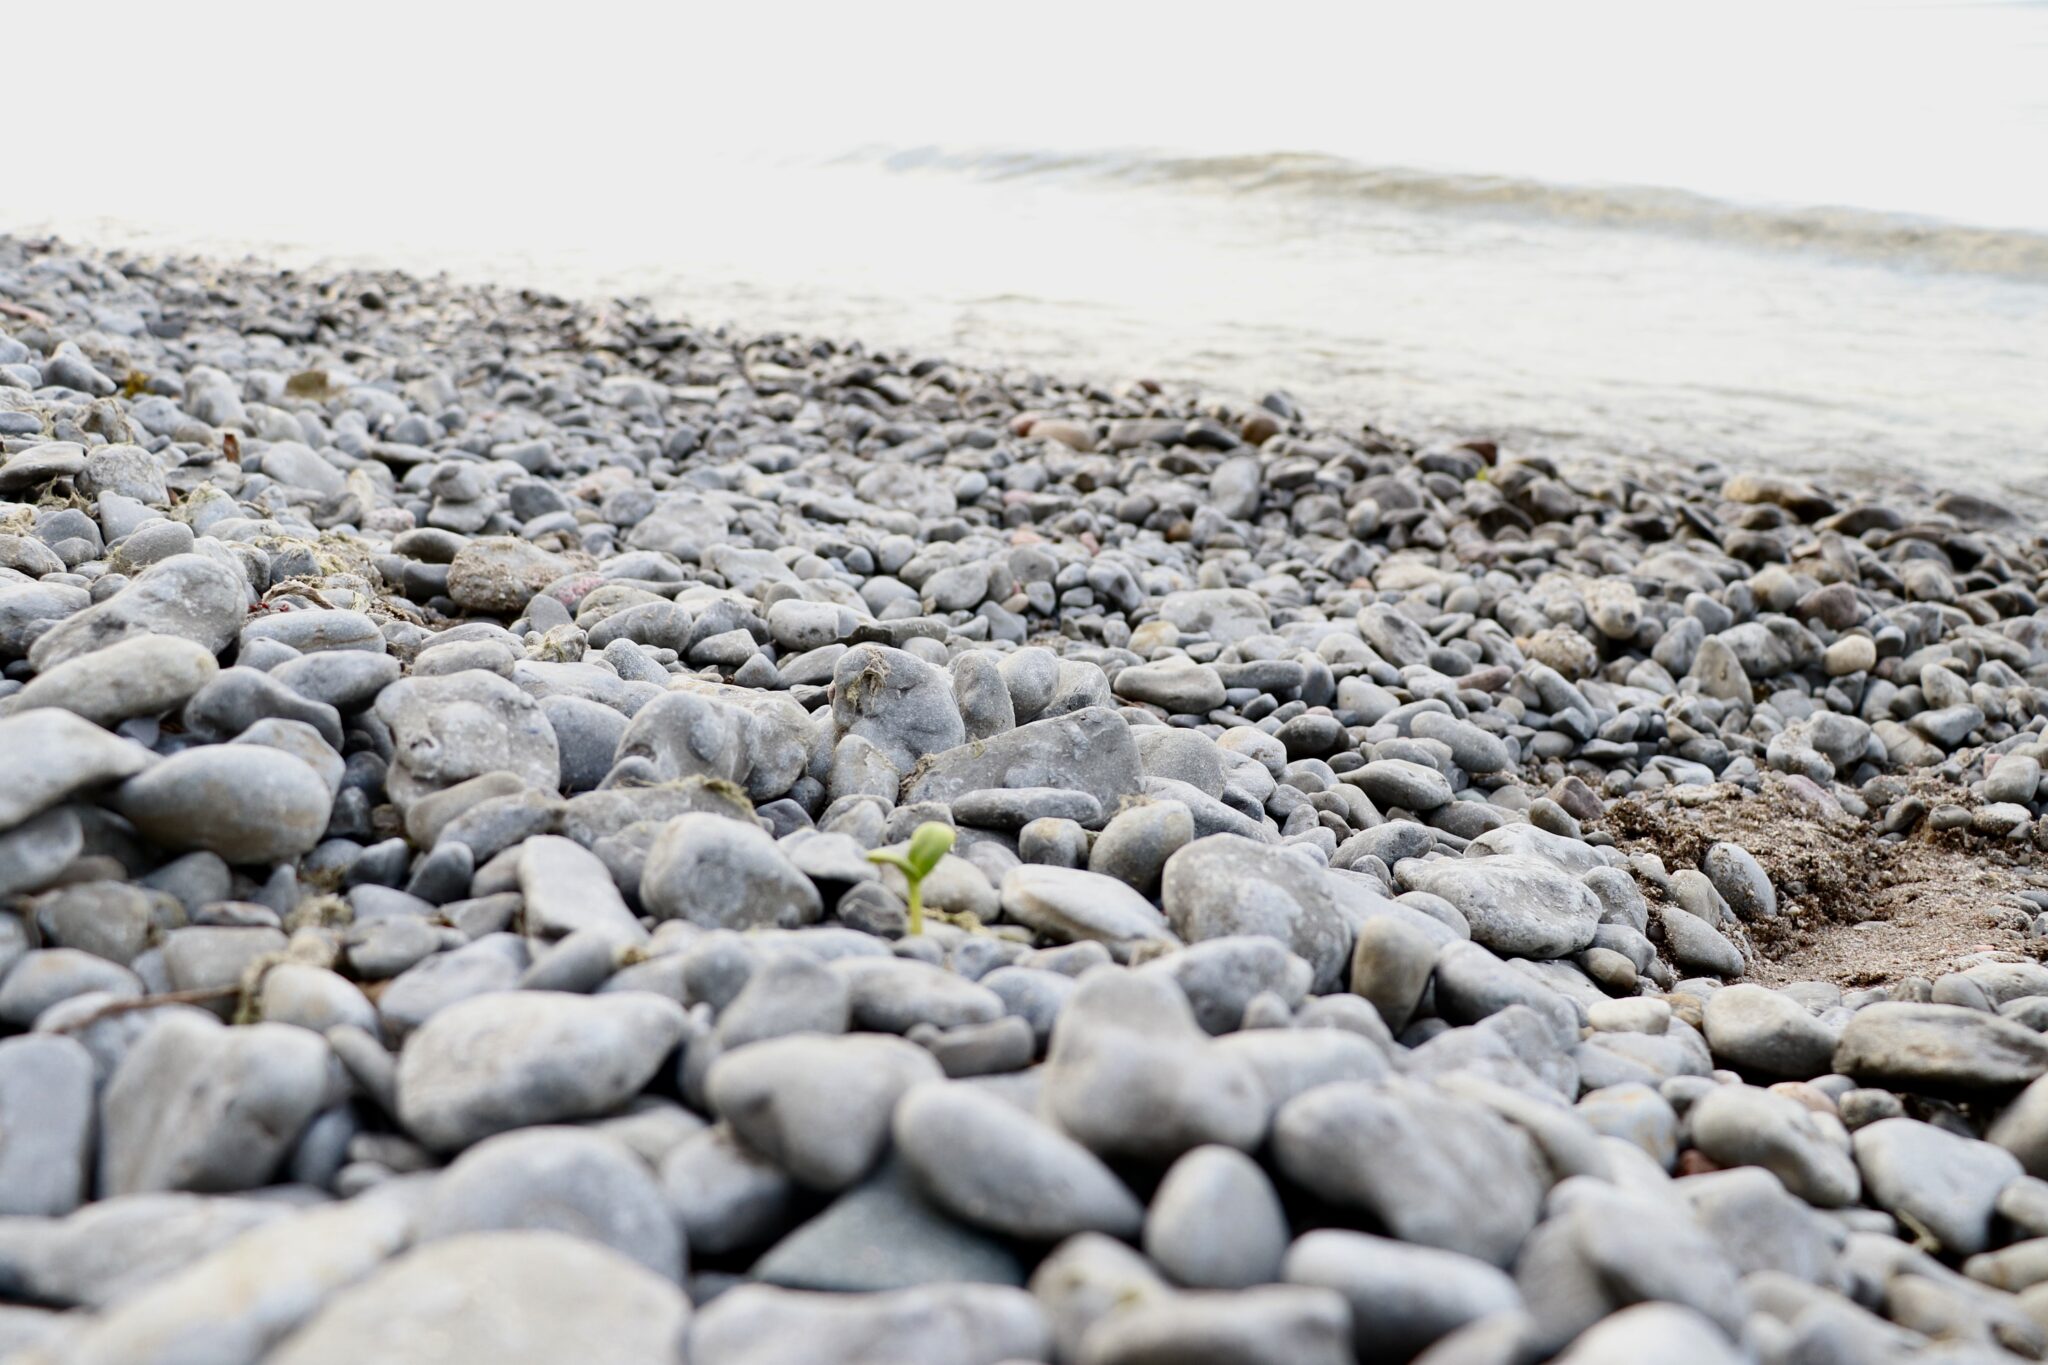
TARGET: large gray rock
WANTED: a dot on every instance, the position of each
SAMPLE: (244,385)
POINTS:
(35,851)
(1653,1334)
(1393,636)
(1941,1046)
(1740,1125)
(1764,1032)
(1225,885)
(193,596)
(53,754)
(1760,1226)
(1935,1180)
(46,1123)
(979,1159)
(1130,1072)
(1403,1298)
(943,1324)
(566,889)
(885,1234)
(568,1180)
(725,1196)
(1067,904)
(819,1107)
(1429,1167)
(146,675)
(1517,906)
(1271,1324)
(233,1305)
(249,803)
(723,874)
(1090,750)
(896,701)
(111,1248)
(1225,615)
(1741,880)
(523,1298)
(1392,782)
(1134,846)
(513,1059)
(456,726)
(196,1105)
(1216,1222)
(1177,685)
(758,741)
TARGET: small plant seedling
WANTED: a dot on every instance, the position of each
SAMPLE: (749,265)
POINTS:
(931,842)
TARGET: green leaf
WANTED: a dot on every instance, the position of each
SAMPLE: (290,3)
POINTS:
(931,843)
(893,859)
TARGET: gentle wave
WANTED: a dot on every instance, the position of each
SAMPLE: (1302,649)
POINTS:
(1861,234)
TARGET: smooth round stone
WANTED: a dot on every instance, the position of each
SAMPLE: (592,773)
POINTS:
(511,1059)
(144,676)
(52,754)
(1178,685)
(246,802)
(1216,1222)
(1850,655)
(557,1179)
(1067,904)
(520,1297)
(1398,782)
(986,1163)
(193,596)
(1015,807)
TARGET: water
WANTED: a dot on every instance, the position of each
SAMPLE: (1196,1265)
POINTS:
(1808,235)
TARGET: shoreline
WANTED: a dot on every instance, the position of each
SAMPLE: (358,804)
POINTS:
(493,699)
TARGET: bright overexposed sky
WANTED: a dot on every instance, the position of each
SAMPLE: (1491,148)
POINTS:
(293,116)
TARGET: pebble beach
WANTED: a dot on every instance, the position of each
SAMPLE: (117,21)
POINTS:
(467,757)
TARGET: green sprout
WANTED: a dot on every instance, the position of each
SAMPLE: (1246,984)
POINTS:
(931,842)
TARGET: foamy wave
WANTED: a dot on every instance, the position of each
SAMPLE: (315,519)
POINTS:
(1861,234)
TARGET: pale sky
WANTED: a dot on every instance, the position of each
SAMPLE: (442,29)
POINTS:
(283,111)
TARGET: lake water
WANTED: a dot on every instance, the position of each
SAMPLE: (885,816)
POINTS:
(1808,235)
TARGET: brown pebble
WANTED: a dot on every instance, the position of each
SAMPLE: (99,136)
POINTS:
(1692,1161)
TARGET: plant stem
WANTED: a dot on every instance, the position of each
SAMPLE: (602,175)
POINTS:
(916,905)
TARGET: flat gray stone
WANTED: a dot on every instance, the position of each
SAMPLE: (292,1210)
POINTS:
(1130,1073)
(52,755)
(1517,906)
(193,596)
(1431,1168)
(819,1107)
(1090,750)
(1403,1298)
(1067,904)
(523,1298)
(980,1160)
(567,1180)
(146,675)
(513,1059)
(723,874)
(246,802)
(883,1234)
(46,1124)
(1935,1180)
(941,1324)
(1940,1046)
(1740,1125)
(198,1106)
